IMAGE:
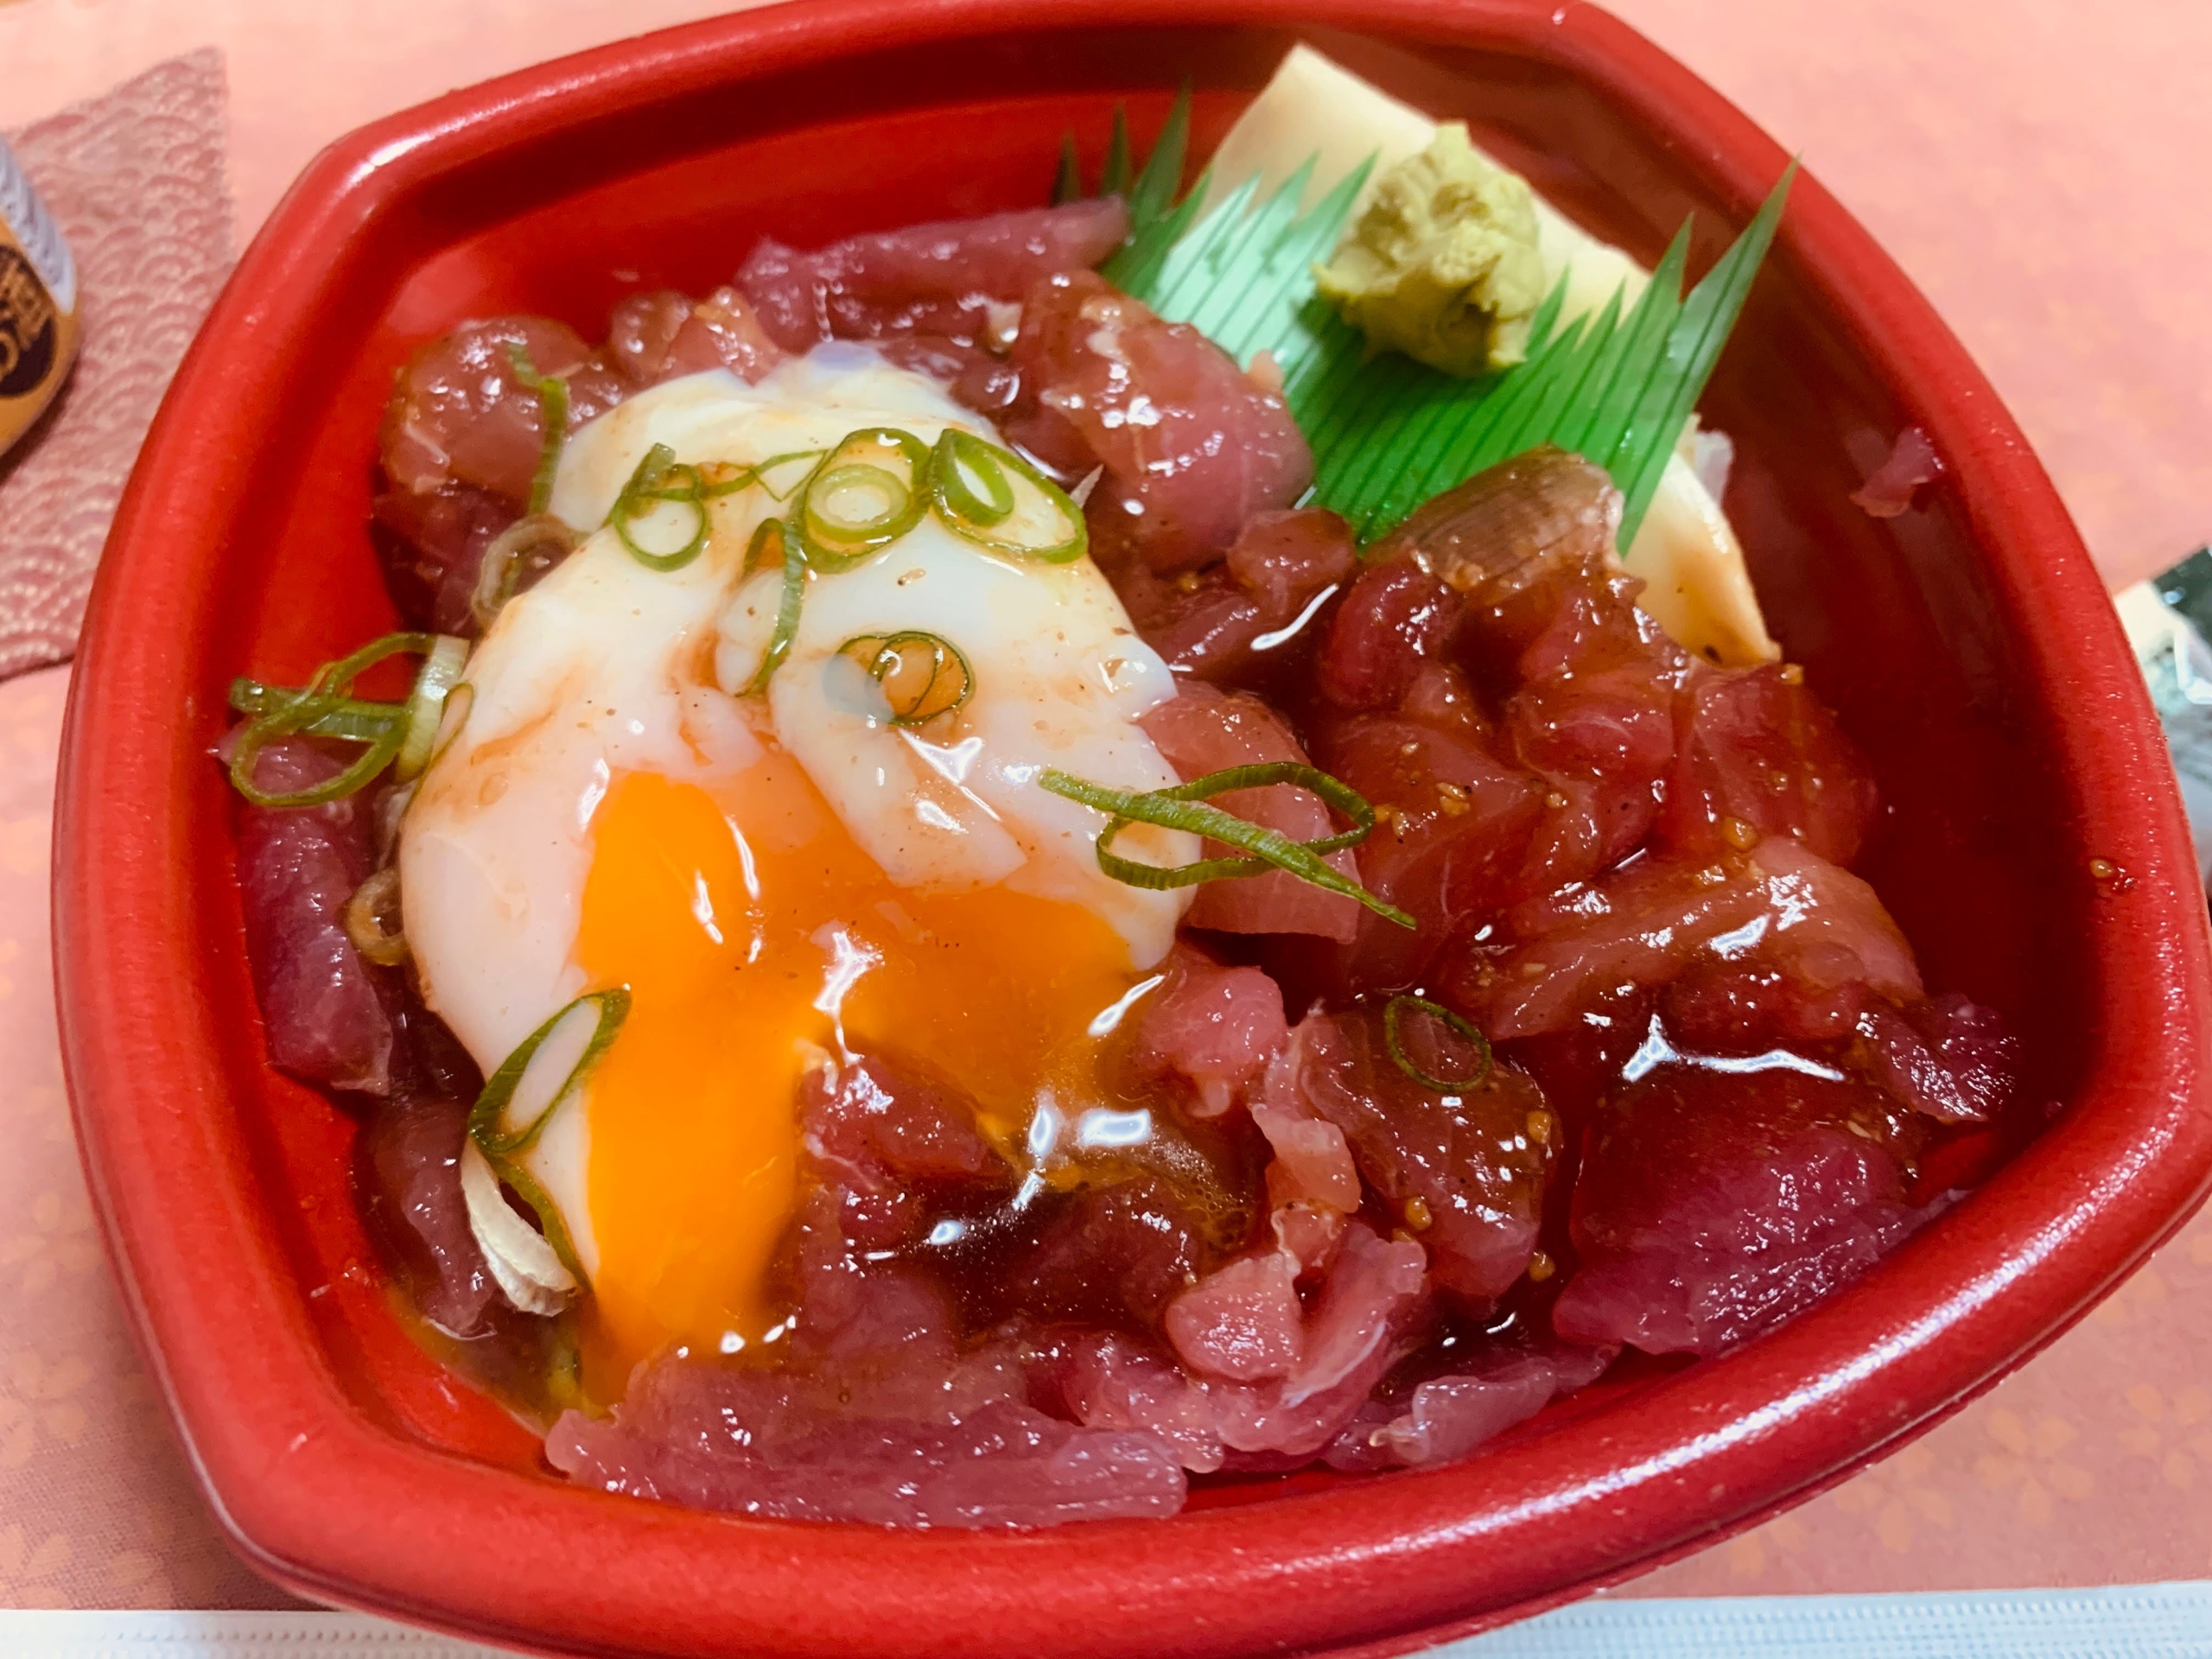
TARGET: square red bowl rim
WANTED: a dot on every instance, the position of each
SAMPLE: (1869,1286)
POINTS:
(291,1466)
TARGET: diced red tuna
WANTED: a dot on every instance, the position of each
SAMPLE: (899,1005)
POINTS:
(1712,1205)
(1250,620)
(1777,907)
(461,413)
(945,278)
(1313,1165)
(1106,1252)
(1193,447)
(929,1440)
(1243,1320)
(1464,1170)
(1911,462)
(886,1138)
(1370,1310)
(1204,730)
(433,550)
(1444,1417)
(408,1166)
(1396,618)
(322,1012)
(664,335)
(1756,750)
(977,378)
(1213,1027)
(1457,835)
(1949,1058)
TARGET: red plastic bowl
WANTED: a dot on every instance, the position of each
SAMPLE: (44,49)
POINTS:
(1967,644)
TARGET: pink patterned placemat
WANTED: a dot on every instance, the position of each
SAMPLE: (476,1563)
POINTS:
(135,179)
(96,1507)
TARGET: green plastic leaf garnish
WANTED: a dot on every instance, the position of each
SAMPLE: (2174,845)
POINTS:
(1389,433)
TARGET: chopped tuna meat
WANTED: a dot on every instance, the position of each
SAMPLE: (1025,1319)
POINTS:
(1444,1417)
(461,413)
(323,1013)
(1371,1308)
(1777,908)
(1950,1058)
(1213,1027)
(888,1140)
(1757,754)
(1911,462)
(1105,1253)
(1191,446)
(409,1169)
(1247,621)
(1463,1171)
(928,1438)
(953,278)
(1712,1205)
(1204,730)
(432,546)
(660,336)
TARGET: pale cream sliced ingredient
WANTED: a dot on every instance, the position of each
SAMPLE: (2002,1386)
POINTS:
(527,1269)
(1698,589)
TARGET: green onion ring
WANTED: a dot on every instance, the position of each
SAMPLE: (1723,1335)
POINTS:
(1391,1011)
(959,454)
(327,694)
(857,461)
(950,494)
(720,478)
(364,916)
(648,488)
(774,539)
(1183,807)
(485,1118)
(761,469)
(952,678)
(348,718)
(552,414)
(500,570)
(301,715)
(426,704)
(512,1174)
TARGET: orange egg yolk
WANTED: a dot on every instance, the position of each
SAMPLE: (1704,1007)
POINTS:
(755,935)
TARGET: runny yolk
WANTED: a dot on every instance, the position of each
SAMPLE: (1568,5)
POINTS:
(750,928)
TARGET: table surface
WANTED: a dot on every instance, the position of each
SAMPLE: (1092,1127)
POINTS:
(2037,168)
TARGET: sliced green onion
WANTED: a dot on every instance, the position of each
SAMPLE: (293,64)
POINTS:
(868,491)
(718,478)
(500,573)
(996,500)
(348,718)
(1184,807)
(922,675)
(773,541)
(661,481)
(969,483)
(488,1124)
(791,459)
(1395,1007)
(372,923)
(548,1212)
(329,693)
(426,704)
(553,414)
